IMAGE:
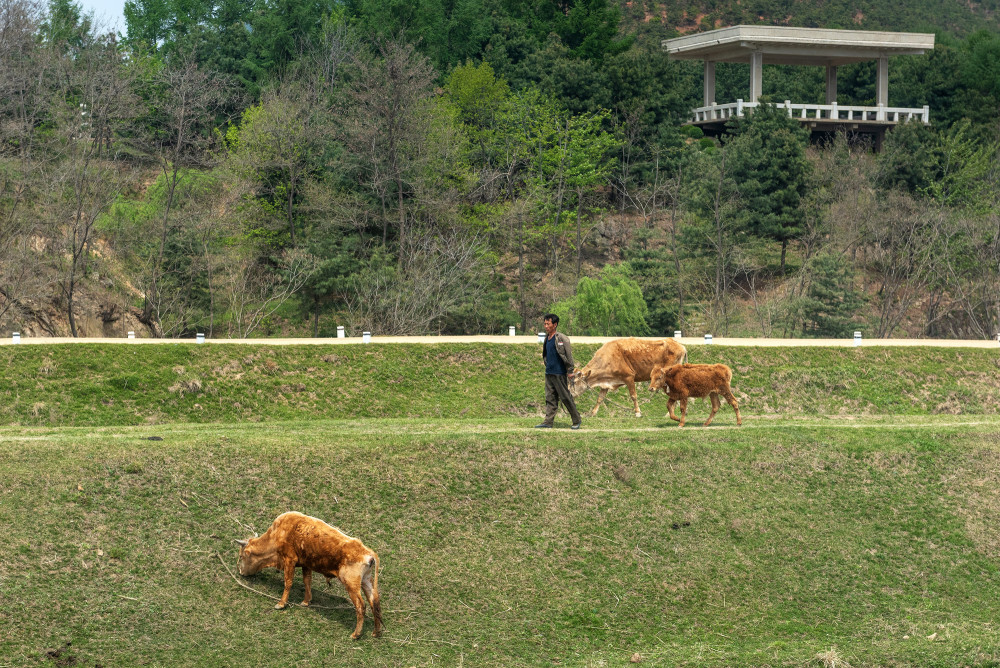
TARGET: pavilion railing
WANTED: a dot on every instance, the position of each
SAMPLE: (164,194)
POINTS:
(826,112)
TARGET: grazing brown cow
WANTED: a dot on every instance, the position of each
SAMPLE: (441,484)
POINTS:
(625,362)
(683,381)
(294,539)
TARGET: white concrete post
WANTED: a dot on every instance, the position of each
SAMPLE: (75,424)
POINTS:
(677,333)
(834,112)
(882,81)
(131,334)
(200,338)
(831,84)
(541,337)
(998,337)
(756,74)
(366,337)
(708,339)
(926,115)
(788,106)
(709,83)
(340,331)
(16,338)
(857,339)
(512,329)
(739,107)
(880,114)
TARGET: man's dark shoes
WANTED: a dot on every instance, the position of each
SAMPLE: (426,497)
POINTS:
(543,426)
(576,426)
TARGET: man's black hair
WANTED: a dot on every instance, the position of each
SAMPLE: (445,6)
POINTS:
(551,316)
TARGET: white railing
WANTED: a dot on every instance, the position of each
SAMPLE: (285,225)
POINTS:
(823,112)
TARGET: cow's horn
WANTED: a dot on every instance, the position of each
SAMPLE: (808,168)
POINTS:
(241,543)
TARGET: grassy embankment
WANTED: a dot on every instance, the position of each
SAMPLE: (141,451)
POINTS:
(794,540)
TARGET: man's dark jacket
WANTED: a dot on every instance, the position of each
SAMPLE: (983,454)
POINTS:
(564,351)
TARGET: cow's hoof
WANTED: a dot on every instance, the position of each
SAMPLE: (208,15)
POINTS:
(280,606)
(355,636)
(638,414)
(306,603)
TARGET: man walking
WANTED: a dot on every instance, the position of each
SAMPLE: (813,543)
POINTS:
(558,360)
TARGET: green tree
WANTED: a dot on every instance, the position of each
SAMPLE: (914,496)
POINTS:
(770,167)
(610,305)
(831,301)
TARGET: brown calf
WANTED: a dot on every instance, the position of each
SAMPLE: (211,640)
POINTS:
(294,539)
(683,381)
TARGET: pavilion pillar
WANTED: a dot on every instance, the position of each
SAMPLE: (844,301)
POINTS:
(709,83)
(756,71)
(882,82)
(831,84)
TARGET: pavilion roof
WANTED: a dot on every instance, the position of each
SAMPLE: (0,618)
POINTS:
(782,45)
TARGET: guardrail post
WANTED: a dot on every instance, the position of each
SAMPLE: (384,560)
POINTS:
(541,337)
(366,337)
(857,339)
(926,116)
(739,107)
(708,339)
(512,329)
(677,334)
(834,112)
(131,334)
(788,106)
(16,337)
(340,331)
(199,338)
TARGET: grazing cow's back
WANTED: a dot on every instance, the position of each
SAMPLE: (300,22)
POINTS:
(297,540)
(625,362)
(684,381)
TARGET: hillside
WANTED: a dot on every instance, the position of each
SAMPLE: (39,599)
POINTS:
(938,16)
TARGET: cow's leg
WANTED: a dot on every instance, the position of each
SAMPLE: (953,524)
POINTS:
(728,394)
(630,383)
(600,398)
(670,409)
(307,577)
(370,589)
(352,582)
(684,411)
(716,404)
(289,576)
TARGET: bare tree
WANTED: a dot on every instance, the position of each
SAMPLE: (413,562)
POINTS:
(256,288)
(434,280)
(88,173)
(903,239)
(26,79)
(186,100)
(379,123)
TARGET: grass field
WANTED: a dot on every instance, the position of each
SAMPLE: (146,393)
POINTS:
(811,536)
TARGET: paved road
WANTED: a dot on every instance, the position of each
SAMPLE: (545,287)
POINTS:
(686,340)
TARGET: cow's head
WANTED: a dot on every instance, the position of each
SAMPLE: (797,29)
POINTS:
(579,382)
(658,378)
(252,557)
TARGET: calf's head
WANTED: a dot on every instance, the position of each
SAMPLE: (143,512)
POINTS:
(658,379)
(253,557)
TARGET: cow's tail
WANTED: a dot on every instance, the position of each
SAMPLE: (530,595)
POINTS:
(374,599)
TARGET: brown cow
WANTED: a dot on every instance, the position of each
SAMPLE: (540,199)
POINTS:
(625,362)
(683,381)
(294,539)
